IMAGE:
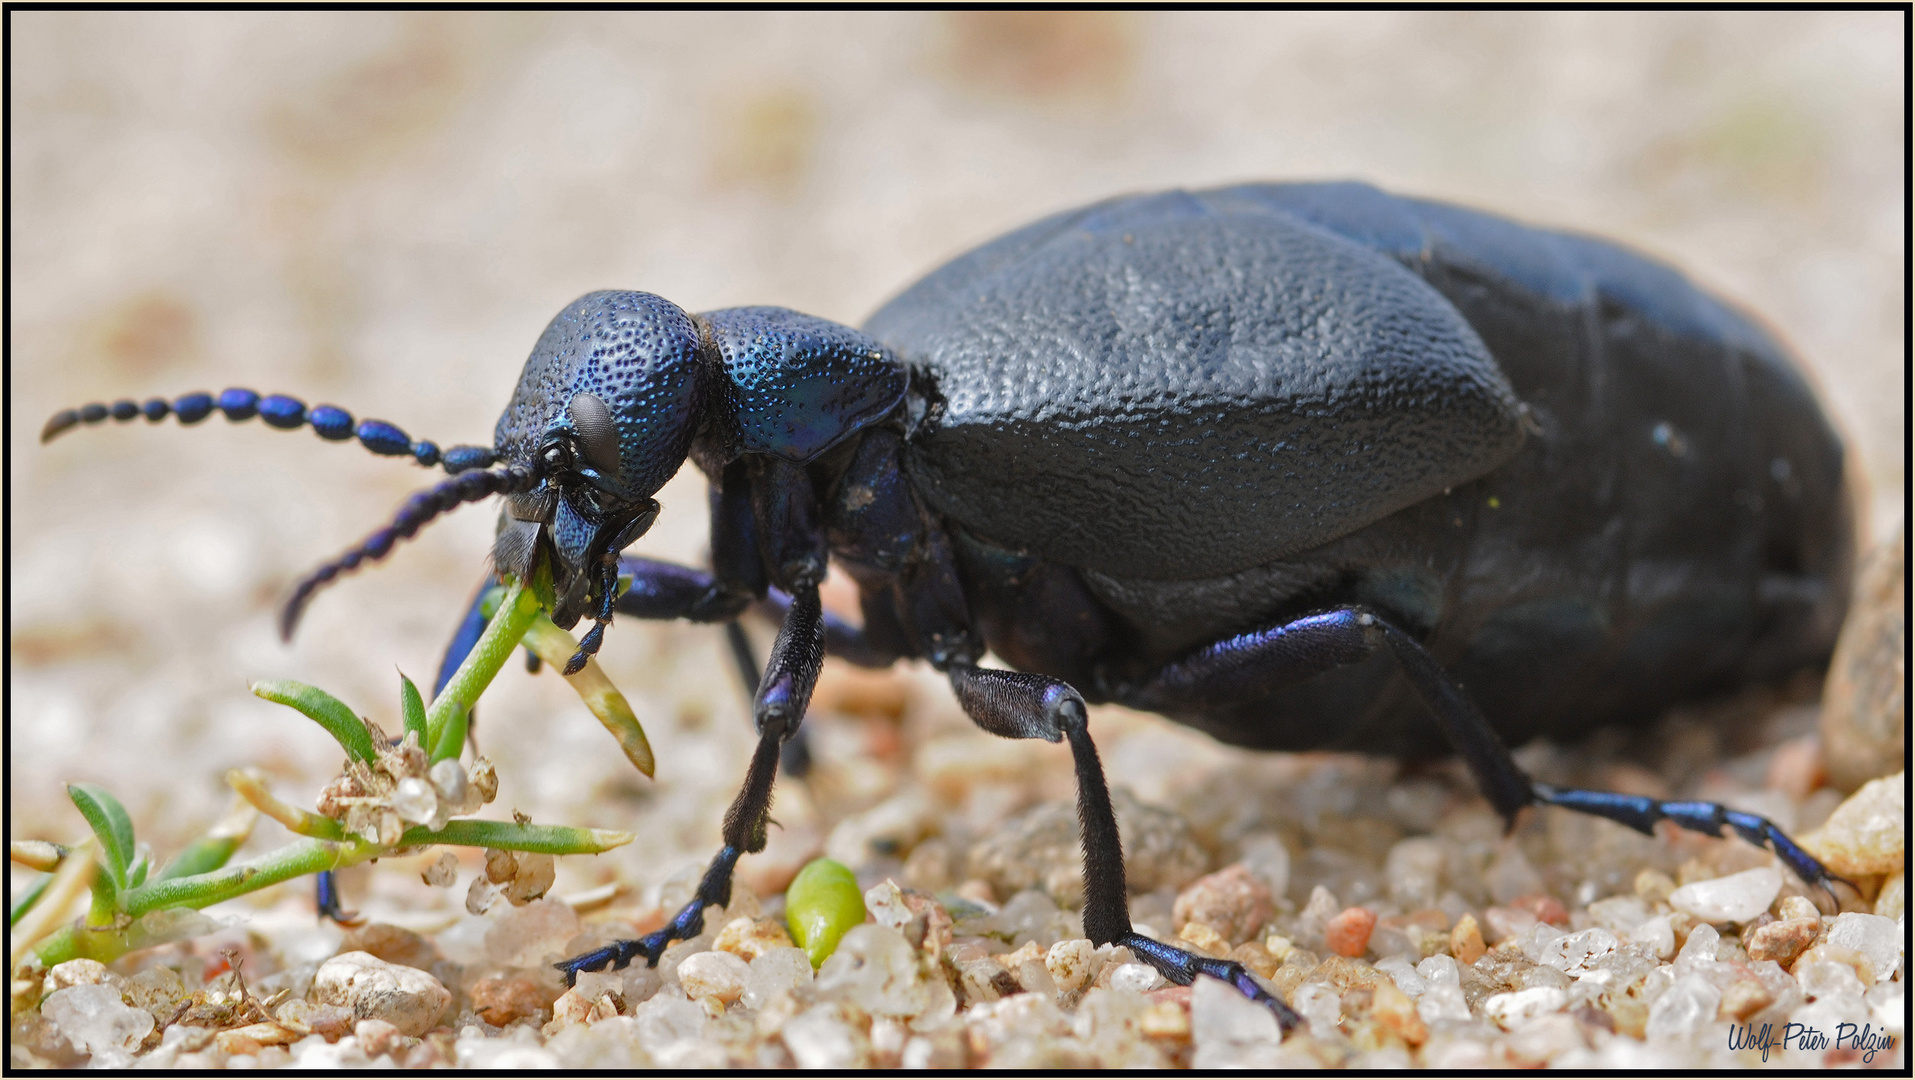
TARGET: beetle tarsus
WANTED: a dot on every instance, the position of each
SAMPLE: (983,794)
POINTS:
(1182,967)
(1641,813)
(327,901)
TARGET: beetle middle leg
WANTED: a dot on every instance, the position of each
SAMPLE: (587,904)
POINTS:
(1018,705)
(1250,665)
(778,708)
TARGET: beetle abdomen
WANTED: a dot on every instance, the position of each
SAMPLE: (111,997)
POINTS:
(1156,389)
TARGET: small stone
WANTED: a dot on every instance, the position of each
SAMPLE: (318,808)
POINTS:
(713,974)
(1891,902)
(415,801)
(505,998)
(1864,705)
(1202,939)
(1071,963)
(532,935)
(1507,923)
(408,998)
(1784,940)
(819,1038)
(1466,941)
(443,872)
(1865,835)
(1252,955)
(775,971)
(750,938)
(1654,886)
(1797,907)
(1166,1015)
(1658,934)
(1512,1009)
(1828,970)
(1414,871)
(1267,859)
(254,1038)
(1346,974)
(1348,932)
(80,972)
(1732,899)
(1683,1009)
(1041,849)
(158,990)
(1744,998)
(1619,914)
(1543,1040)
(329,1022)
(393,944)
(375,1036)
(1699,948)
(1135,978)
(1397,1013)
(581,1005)
(1544,907)
(96,1021)
(1232,901)
(1876,938)
(1574,954)
(1228,1030)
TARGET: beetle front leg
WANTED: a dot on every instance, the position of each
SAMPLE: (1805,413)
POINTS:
(1248,666)
(778,709)
(1018,705)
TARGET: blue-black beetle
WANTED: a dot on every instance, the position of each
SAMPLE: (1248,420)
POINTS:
(1291,463)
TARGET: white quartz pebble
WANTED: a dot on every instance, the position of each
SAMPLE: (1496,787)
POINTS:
(1732,899)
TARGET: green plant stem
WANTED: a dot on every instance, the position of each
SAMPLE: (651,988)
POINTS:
(516,613)
(106,943)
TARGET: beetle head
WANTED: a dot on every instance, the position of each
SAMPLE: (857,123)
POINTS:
(604,415)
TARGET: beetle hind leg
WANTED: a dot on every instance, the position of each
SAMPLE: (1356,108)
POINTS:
(1018,705)
(1248,666)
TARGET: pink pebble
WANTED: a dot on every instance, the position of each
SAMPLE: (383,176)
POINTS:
(1348,931)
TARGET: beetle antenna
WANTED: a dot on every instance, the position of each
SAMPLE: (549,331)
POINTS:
(329,422)
(421,508)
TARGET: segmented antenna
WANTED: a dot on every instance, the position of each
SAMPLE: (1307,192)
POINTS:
(418,510)
(329,422)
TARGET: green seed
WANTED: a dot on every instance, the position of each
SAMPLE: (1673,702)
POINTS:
(822,903)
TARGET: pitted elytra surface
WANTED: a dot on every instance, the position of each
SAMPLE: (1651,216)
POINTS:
(1153,362)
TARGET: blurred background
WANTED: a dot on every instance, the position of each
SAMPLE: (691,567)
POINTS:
(382,211)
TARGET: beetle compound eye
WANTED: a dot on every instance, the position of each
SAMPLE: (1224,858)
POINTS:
(597,436)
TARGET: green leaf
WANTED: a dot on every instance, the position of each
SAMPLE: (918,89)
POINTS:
(201,856)
(327,711)
(512,836)
(109,822)
(555,647)
(28,899)
(136,877)
(822,903)
(414,708)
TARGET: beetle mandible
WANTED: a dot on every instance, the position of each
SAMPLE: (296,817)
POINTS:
(1293,464)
